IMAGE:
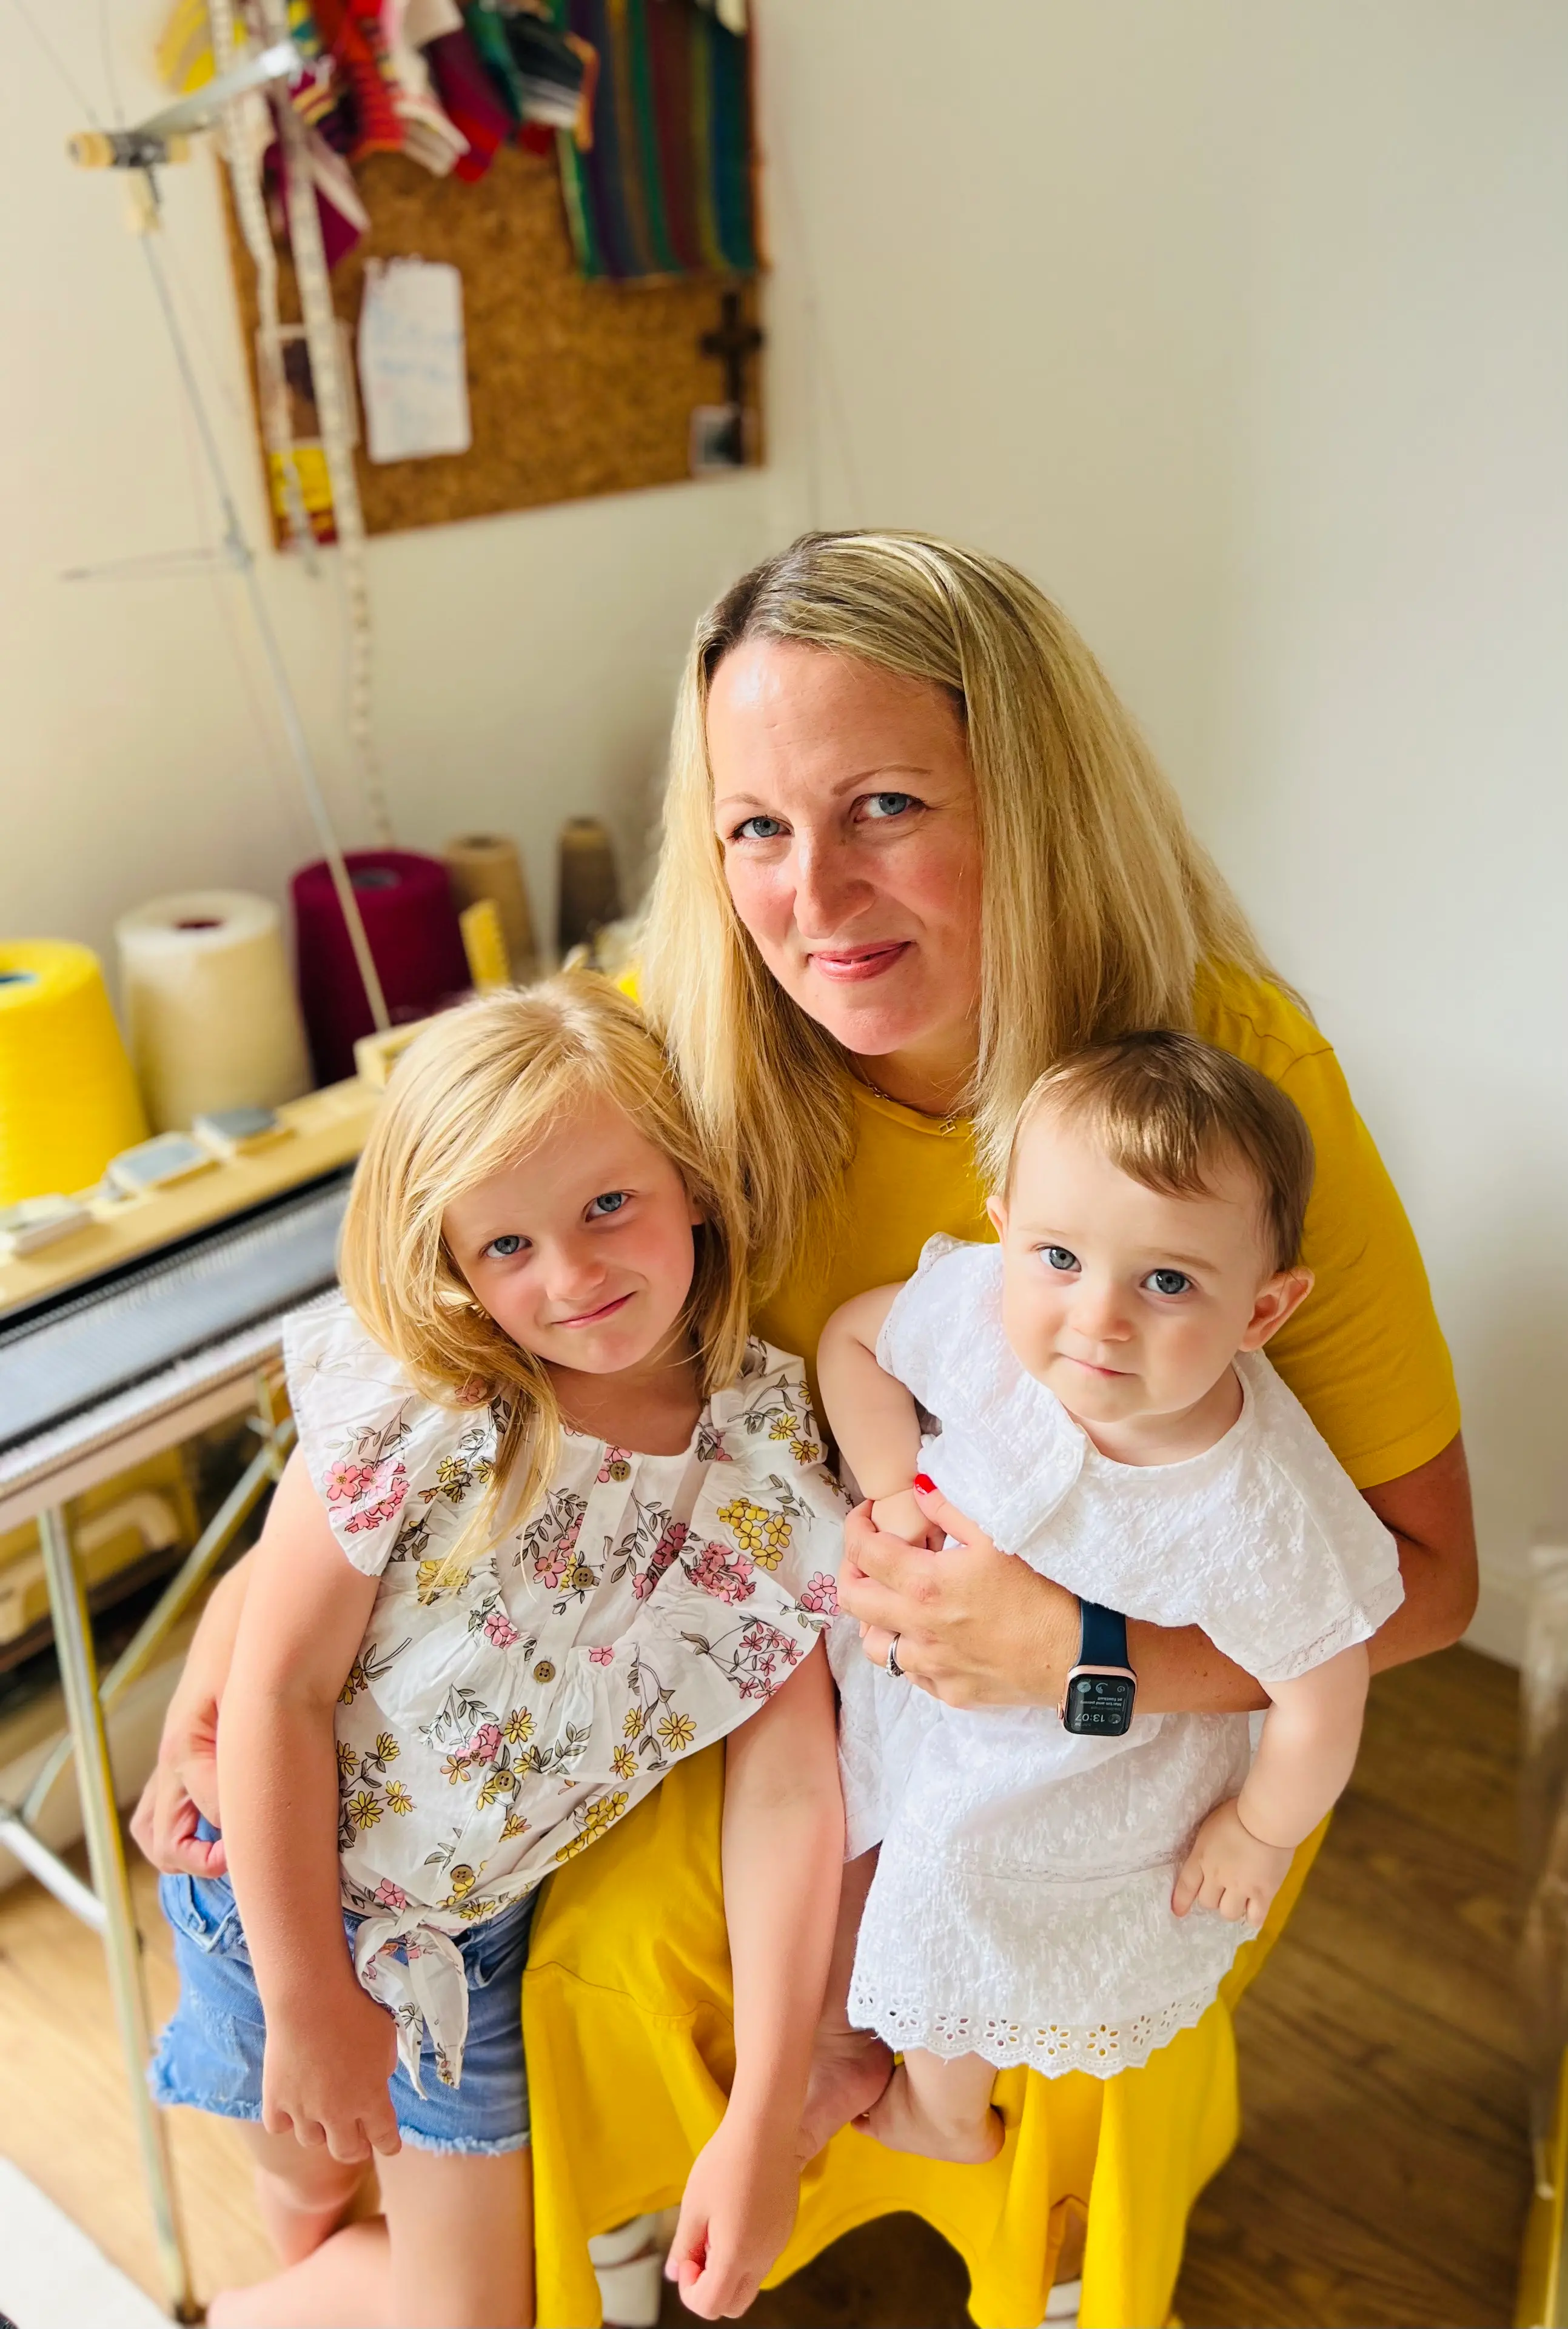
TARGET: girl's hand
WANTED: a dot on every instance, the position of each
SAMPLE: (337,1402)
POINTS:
(325,2072)
(738,2212)
(976,1627)
(1229,1871)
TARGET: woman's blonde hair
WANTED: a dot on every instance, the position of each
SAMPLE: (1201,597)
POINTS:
(1098,905)
(469,1096)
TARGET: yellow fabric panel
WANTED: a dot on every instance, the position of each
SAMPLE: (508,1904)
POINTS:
(626,2023)
(1363,1355)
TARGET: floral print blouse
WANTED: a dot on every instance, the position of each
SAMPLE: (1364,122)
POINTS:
(492,1727)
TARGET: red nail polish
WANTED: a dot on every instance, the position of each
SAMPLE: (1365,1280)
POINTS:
(925,1483)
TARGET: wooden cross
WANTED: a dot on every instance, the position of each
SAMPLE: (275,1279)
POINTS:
(732,343)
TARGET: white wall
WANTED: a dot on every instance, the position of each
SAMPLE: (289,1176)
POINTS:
(525,665)
(1241,327)
(1238,322)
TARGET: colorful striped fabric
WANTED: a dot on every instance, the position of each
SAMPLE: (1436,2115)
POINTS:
(666,187)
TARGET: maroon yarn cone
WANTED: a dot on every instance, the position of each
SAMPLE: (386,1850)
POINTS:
(406,903)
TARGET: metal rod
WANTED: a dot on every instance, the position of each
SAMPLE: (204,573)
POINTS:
(52,1871)
(244,561)
(176,1597)
(105,1855)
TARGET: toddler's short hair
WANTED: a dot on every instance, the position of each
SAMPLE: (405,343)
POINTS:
(1166,1108)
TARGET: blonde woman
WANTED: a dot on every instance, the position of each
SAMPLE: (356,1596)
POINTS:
(914,851)
(554,1522)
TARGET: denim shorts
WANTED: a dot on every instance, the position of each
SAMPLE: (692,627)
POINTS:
(209,2055)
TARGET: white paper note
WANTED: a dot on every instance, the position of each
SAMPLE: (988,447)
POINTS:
(413,380)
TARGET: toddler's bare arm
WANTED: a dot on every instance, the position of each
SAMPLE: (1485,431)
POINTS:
(1304,1758)
(872,1417)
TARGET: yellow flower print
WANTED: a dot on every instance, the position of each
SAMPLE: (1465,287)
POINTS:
(456,1474)
(364,1811)
(428,1585)
(764,1534)
(806,1451)
(512,1825)
(347,1762)
(519,1726)
(624,1763)
(636,1721)
(678,1731)
(454,1769)
(595,1820)
(354,1686)
(398,1799)
(781,1427)
(386,1748)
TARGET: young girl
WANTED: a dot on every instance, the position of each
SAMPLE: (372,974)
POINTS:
(553,1523)
(1066,1888)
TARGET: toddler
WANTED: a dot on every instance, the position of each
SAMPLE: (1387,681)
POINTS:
(1066,1888)
(553,1523)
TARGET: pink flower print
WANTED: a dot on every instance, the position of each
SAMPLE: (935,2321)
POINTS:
(486,1743)
(602,1656)
(373,1493)
(551,1564)
(617,1464)
(499,1629)
(720,1571)
(389,1895)
(820,1595)
(669,1544)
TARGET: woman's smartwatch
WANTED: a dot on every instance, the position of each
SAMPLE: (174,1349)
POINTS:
(1098,1700)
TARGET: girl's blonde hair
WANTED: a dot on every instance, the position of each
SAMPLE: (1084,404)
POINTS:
(1098,905)
(468,1098)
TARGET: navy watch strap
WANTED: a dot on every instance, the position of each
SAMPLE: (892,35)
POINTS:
(1102,1638)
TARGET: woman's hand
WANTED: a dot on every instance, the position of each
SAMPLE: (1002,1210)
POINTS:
(975,1627)
(184,1788)
(737,2213)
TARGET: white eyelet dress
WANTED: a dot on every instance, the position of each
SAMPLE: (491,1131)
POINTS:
(491,1729)
(1021,1906)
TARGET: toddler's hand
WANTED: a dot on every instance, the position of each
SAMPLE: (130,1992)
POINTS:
(900,1515)
(325,2072)
(736,2215)
(1229,1871)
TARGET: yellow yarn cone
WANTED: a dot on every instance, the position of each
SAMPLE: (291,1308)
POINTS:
(68,1097)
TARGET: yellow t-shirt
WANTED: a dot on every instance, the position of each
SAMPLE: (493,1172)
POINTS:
(1363,1355)
(626,2002)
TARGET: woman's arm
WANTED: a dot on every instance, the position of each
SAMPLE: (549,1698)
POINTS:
(977,1629)
(330,2047)
(183,1784)
(783,1849)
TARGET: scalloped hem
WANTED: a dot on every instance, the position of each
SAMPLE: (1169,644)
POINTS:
(1103,2049)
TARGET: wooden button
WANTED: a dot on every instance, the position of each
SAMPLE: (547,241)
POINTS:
(545,1671)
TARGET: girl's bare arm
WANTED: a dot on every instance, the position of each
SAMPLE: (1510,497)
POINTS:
(783,1849)
(330,2048)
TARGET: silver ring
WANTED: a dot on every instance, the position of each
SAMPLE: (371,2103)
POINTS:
(890,1663)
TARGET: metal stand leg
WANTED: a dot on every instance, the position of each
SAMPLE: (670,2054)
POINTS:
(106,1852)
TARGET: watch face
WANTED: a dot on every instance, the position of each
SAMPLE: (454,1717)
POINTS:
(1098,1705)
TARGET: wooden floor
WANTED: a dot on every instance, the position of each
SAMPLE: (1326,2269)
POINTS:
(1384,2172)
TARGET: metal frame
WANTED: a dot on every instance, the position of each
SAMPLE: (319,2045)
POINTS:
(106,1905)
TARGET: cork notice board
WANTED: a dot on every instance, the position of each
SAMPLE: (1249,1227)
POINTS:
(575,388)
